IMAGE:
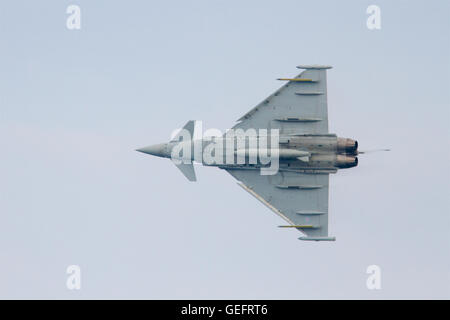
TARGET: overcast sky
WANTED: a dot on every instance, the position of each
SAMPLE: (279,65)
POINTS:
(74,104)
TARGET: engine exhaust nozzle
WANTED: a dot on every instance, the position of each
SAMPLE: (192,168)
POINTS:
(347,146)
(346,161)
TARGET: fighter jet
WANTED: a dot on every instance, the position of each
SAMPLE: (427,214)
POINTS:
(291,127)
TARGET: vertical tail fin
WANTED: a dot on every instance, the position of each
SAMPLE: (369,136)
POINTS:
(371,151)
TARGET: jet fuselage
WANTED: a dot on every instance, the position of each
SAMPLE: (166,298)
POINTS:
(295,152)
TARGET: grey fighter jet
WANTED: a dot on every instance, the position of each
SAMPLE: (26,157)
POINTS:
(306,152)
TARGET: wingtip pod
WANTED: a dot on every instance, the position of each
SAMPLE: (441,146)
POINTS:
(318,238)
(314,66)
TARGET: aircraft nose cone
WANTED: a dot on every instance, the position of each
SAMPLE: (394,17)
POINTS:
(158,150)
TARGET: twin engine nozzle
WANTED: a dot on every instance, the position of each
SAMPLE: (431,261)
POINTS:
(347,150)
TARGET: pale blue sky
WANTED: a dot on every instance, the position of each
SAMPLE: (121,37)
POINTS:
(75,104)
